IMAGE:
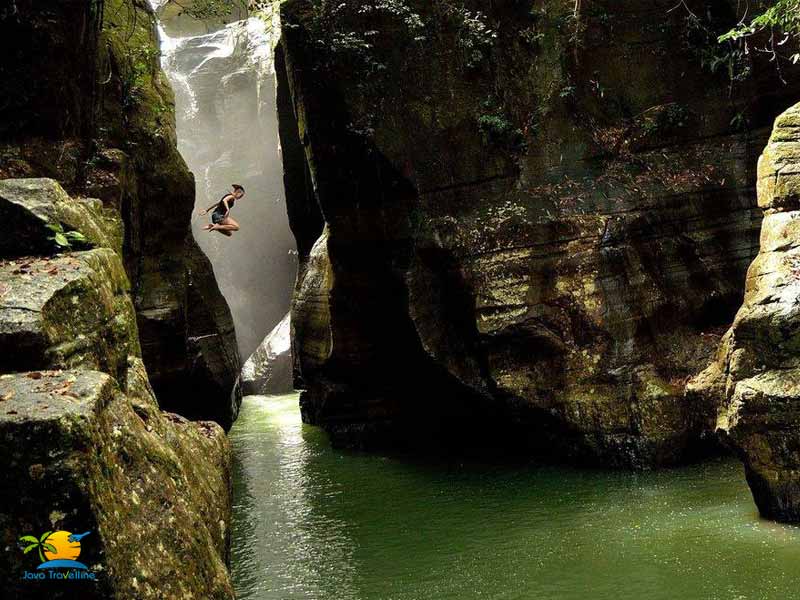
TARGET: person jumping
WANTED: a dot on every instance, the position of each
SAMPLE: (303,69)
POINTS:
(220,219)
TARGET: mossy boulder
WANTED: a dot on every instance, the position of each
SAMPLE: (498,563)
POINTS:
(36,207)
(71,310)
(152,488)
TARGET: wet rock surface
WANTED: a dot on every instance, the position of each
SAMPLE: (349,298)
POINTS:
(756,377)
(552,234)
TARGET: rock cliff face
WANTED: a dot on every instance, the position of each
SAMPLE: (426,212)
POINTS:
(99,119)
(269,368)
(757,371)
(102,285)
(85,445)
(545,217)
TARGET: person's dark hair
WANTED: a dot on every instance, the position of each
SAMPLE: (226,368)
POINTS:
(236,186)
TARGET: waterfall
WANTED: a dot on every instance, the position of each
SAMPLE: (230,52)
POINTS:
(224,83)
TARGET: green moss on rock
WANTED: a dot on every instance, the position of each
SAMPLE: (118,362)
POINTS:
(67,311)
(153,489)
(35,206)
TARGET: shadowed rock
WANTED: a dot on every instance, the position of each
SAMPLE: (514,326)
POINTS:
(547,226)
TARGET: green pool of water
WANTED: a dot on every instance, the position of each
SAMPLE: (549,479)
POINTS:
(318,523)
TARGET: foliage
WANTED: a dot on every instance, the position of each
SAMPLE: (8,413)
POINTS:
(496,129)
(782,18)
(222,10)
(724,58)
(475,37)
(65,239)
(210,9)
(138,73)
(349,34)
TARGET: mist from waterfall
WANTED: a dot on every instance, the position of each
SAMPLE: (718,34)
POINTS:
(224,84)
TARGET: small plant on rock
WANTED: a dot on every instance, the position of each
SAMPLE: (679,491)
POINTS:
(65,239)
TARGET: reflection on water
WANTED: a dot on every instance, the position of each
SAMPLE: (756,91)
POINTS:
(313,522)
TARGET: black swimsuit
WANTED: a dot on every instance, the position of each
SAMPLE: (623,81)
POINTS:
(219,211)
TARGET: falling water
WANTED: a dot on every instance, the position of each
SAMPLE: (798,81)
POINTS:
(224,84)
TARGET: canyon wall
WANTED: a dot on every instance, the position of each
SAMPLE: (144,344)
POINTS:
(103,292)
(84,442)
(519,220)
(98,117)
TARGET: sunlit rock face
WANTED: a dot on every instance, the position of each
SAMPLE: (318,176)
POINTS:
(227,131)
(757,371)
(547,220)
(269,368)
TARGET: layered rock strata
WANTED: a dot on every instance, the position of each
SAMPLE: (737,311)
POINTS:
(517,216)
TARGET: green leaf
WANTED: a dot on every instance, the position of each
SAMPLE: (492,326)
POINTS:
(50,548)
(75,236)
(61,240)
(29,538)
(31,547)
(55,227)
(45,536)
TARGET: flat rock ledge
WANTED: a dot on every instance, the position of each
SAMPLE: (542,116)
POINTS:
(67,310)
